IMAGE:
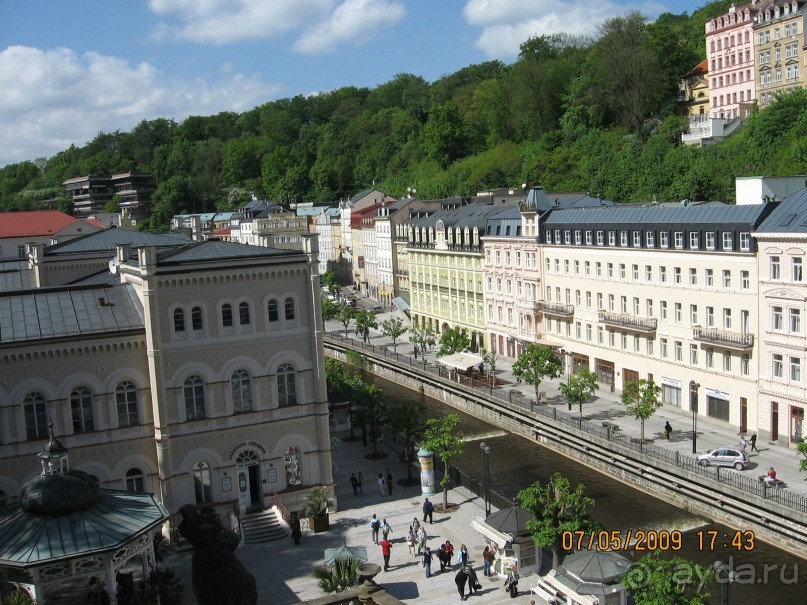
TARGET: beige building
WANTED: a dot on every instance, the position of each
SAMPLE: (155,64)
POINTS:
(663,293)
(779,41)
(191,369)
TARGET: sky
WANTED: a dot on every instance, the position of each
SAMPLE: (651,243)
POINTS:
(70,69)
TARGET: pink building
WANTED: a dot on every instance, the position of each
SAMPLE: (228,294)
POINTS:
(730,55)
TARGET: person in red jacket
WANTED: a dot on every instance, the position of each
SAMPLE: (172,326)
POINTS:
(386,550)
(449,551)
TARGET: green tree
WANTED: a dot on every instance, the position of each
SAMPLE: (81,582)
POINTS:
(658,580)
(330,309)
(393,328)
(535,364)
(407,421)
(372,412)
(422,335)
(556,508)
(364,321)
(580,388)
(329,281)
(443,137)
(344,314)
(445,441)
(801,449)
(641,400)
(491,359)
(453,340)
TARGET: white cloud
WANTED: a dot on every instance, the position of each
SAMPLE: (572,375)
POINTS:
(54,98)
(320,24)
(356,21)
(506,24)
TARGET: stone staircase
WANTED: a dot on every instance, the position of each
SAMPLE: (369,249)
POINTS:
(262,526)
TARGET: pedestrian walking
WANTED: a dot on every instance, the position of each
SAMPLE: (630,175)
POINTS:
(415,525)
(461,579)
(296,530)
(381,485)
(389,482)
(488,556)
(668,429)
(462,556)
(354,482)
(422,537)
(385,529)
(754,443)
(442,557)
(411,542)
(361,478)
(449,551)
(375,525)
(473,581)
(427,562)
(428,511)
(743,443)
(386,551)
(511,583)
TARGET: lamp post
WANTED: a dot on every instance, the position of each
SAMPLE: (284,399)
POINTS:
(724,577)
(486,475)
(693,405)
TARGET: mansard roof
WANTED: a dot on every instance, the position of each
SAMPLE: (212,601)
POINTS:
(217,250)
(471,215)
(627,216)
(109,239)
(790,216)
(68,312)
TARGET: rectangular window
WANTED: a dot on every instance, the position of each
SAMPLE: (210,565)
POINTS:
(637,239)
(728,240)
(610,268)
(778,365)
(745,242)
(693,315)
(577,267)
(710,358)
(578,329)
(798,274)
(693,277)
(648,273)
(650,342)
(649,307)
(557,236)
(778,321)
(578,237)
(679,239)
(599,334)
(567,236)
(599,301)
(710,240)
(623,304)
(588,300)
(577,297)
(621,270)
(588,268)
(650,237)
(795,321)
(745,364)
(598,269)
(663,305)
(727,361)
(635,271)
(775,268)
(588,238)
(678,313)
(664,239)
(662,275)
(693,354)
(611,341)
(600,238)
(588,332)
(663,347)
(710,317)
(795,369)
(726,279)
(677,275)
(745,280)
(612,238)
(623,238)
(694,240)
(611,300)
(710,278)
(727,319)
(679,351)
(566,266)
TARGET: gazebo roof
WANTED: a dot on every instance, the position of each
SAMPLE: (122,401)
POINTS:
(115,519)
(511,521)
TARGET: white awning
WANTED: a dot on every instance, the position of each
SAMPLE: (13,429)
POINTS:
(460,361)
(498,538)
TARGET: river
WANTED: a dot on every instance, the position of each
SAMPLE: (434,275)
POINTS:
(763,573)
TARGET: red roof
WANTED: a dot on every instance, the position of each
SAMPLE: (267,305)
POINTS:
(26,224)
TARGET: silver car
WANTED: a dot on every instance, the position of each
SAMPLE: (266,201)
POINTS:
(724,456)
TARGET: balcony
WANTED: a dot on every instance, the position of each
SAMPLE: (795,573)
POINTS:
(628,322)
(561,310)
(723,338)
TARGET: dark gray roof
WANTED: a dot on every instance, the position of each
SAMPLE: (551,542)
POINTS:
(638,215)
(217,250)
(108,239)
(68,312)
(510,521)
(15,280)
(115,519)
(790,216)
(471,215)
(102,278)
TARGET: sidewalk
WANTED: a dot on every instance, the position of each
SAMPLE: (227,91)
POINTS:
(283,570)
(607,406)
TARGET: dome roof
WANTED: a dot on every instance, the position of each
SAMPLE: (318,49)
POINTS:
(58,494)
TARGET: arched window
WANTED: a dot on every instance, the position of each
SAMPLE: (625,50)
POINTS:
(286,391)
(242,391)
(201,482)
(291,460)
(81,410)
(135,482)
(194,392)
(196,318)
(271,308)
(126,402)
(289,305)
(243,314)
(179,320)
(227,315)
(36,419)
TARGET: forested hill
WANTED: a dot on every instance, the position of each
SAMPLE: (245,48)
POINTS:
(572,114)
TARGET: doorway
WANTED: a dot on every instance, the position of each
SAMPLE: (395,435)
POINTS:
(629,376)
(249,487)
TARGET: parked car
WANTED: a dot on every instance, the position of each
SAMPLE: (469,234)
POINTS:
(376,309)
(724,456)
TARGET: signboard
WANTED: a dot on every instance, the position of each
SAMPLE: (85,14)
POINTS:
(671,383)
(271,474)
(226,484)
(715,394)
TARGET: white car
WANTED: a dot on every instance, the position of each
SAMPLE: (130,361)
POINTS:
(724,456)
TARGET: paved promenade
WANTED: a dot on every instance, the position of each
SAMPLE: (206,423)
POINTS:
(607,406)
(283,570)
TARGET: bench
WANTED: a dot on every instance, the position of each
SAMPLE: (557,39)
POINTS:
(771,482)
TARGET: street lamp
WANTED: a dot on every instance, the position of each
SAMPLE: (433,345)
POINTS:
(724,577)
(693,405)
(486,475)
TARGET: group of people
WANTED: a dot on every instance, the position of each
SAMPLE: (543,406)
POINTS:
(385,483)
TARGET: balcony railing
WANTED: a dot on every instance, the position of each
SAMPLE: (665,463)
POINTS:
(555,308)
(630,322)
(723,338)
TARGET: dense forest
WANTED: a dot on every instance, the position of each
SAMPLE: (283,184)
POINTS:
(592,114)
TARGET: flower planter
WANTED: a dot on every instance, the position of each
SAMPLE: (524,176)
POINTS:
(320,524)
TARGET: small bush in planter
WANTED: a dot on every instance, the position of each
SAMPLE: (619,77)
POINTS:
(315,505)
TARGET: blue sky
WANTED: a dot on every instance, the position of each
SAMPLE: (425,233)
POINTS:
(70,69)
